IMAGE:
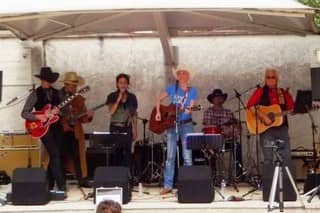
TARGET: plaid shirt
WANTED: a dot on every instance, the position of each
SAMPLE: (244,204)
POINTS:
(218,117)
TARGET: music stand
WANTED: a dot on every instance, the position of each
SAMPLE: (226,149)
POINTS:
(200,141)
(109,141)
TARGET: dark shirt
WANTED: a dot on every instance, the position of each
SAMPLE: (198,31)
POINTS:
(31,102)
(125,110)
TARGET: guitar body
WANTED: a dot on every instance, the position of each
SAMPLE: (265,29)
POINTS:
(167,119)
(256,126)
(37,129)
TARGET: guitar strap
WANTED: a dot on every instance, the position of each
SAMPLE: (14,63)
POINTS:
(281,97)
(184,99)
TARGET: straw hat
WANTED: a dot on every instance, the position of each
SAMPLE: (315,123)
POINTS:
(184,68)
(73,78)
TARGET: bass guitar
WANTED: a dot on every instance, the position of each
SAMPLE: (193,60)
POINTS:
(36,129)
(168,117)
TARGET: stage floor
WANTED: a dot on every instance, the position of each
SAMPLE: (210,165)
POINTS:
(155,203)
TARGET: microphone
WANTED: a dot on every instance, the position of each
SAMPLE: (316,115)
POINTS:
(16,98)
(177,84)
(258,86)
(12,100)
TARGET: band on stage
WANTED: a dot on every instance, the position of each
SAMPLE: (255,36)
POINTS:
(64,138)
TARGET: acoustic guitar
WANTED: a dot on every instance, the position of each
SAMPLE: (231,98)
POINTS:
(37,129)
(168,117)
(256,125)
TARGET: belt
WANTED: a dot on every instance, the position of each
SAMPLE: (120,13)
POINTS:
(119,124)
(185,121)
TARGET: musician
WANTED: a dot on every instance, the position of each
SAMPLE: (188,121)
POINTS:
(74,145)
(122,106)
(46,94)
(218,116)
(267,95)
(183,96)
(217,119)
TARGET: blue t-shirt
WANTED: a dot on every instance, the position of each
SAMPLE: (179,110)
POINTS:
(178,97)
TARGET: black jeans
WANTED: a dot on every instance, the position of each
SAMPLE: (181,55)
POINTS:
(52,141)
(70,147)
(122,155)
(268,138)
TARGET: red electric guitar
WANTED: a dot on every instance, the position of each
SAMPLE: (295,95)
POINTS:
(37,129)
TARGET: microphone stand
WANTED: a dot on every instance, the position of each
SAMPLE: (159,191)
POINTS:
(12,100)
(177,123)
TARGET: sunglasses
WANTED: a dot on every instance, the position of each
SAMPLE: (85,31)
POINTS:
(271,77)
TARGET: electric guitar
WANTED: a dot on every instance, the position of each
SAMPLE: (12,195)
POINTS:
(257,125)
(168,117)
(36,129)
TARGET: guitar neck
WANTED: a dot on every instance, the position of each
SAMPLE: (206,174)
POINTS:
(93,109)
(66,101)
(70,98)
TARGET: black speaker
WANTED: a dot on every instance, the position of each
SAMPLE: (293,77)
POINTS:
(195,185)
(29,186)
(312,181)
(315,83)
(113,177)
(288,191)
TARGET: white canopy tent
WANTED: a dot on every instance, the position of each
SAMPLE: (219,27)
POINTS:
(45,19)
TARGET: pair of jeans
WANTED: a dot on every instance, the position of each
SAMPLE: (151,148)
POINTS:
(70,147)
(183,130)
(52,141)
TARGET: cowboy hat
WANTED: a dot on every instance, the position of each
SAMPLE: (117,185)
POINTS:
(73,78)
(184,68)
(217,93)
(46,74)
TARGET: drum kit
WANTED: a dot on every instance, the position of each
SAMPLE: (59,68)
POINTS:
(150,156)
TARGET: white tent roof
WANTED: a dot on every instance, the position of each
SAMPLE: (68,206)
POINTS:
(45,19)
(18,6)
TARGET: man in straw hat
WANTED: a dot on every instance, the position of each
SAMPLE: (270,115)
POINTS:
(41,96)
(74,145)
(183,96)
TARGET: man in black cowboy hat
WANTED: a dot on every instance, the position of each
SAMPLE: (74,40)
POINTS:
(41,96)
(219,117)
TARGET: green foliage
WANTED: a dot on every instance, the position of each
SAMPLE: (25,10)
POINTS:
(315,4)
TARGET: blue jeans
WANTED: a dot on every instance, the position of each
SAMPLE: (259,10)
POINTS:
(183,130)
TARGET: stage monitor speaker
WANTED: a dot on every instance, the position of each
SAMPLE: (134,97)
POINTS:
(195,184)
(113,177)
(29,186)
(315,83)
(288,191)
